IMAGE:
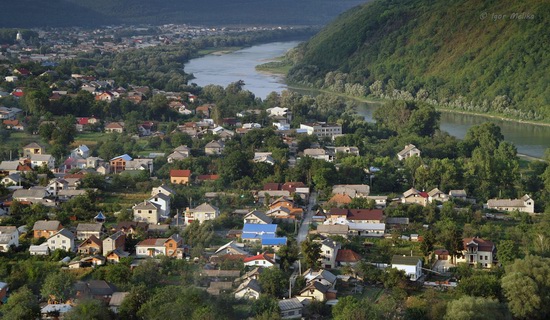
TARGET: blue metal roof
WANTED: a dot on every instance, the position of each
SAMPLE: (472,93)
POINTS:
(259,228)
(125,157)
(273,241)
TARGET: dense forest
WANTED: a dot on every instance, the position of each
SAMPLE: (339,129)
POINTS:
(485,57)
(58,13)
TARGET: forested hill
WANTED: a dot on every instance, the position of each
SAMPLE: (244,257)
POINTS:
(56,13)
(482,56)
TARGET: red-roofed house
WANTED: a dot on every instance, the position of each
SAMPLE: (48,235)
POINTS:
(262,260)
(347,257)
(180,176)
(478,251)
(414,196)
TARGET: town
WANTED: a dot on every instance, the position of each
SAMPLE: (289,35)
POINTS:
(128,192)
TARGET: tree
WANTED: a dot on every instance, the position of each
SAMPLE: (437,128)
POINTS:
(274,282)
(507,251)
(526,285)
(428,242)
(266,307)
(480,285)
(394,278)
(287,255)
(58,286)
(22,305)
(350,308)
(90,309)
(472,308)
(137,296)
(312,253)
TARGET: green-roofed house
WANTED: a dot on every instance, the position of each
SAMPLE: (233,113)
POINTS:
(412,265)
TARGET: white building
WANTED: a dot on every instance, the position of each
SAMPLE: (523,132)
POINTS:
(63,239)
(410,150)
(321,129)
(147,211)
(411,265)
(9,236)
(524,204)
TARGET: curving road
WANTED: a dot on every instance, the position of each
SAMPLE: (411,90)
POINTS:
(306,221)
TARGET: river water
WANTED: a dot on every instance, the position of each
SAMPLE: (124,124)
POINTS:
(531,140)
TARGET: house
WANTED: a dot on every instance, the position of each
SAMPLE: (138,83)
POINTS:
(257,217)
(116,301)
(118,164)
(131,227)
(9,167)
(8,113)
(291,308)
(437,195)
(333,230)
(254,232)
(170,247)
(273,242)
(214,147)
(117,127)
(319,154)
(410,264)
(414,196)
(86,230)
(346,150)
(367,229)
(113,242)
(13,179)
(45,228)
(144,164)
(81,151)
(180,176)
(352,190)
(250,290)
(318,292)
(204,110)
(458,194)
(94,289)
(263,157)
(410,150)
(379,201)
(202,213)
(478,251)
(116,255)
(329,251)
(340,200)
(39,250)
(9,236)
(347,257)
(91,245)
(63,239)
(56,185)
(524,204)
(163,202)
(32,195)
(39,160)
(264,260)
(146,211)
(347,216)
(321,129)
(33,148)
(231,248)
(180,153)
(322,276)
(164,189)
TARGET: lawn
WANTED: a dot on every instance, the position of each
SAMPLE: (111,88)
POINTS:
(90,138)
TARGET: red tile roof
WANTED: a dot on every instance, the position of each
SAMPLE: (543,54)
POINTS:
(208,177)
(263,256)
(482,245)
(347,255)
(180,173)
(365,214)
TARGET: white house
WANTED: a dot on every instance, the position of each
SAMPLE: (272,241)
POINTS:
(478,251)
(329,251)
(410,264)
(265,260)
(63,239)
(291,308)
(201,213)
(163,202)
(39,160)
(9,236)
(524,204)
(321,129)
(410,150)
(81,151)
(147,211)
(257,217)
(249,290)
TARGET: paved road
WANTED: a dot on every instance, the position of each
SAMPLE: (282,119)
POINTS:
(304,228)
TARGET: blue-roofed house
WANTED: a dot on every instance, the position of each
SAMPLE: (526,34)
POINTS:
(253,232)
(273,242)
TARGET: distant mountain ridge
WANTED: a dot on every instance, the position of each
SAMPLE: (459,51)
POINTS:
(63,13)
(480,56)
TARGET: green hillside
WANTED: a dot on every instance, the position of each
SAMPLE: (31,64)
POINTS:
(456,54)
(35,13)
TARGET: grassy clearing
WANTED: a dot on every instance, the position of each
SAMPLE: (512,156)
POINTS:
(90,138)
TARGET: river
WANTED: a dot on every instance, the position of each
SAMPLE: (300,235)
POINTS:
(531,140)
